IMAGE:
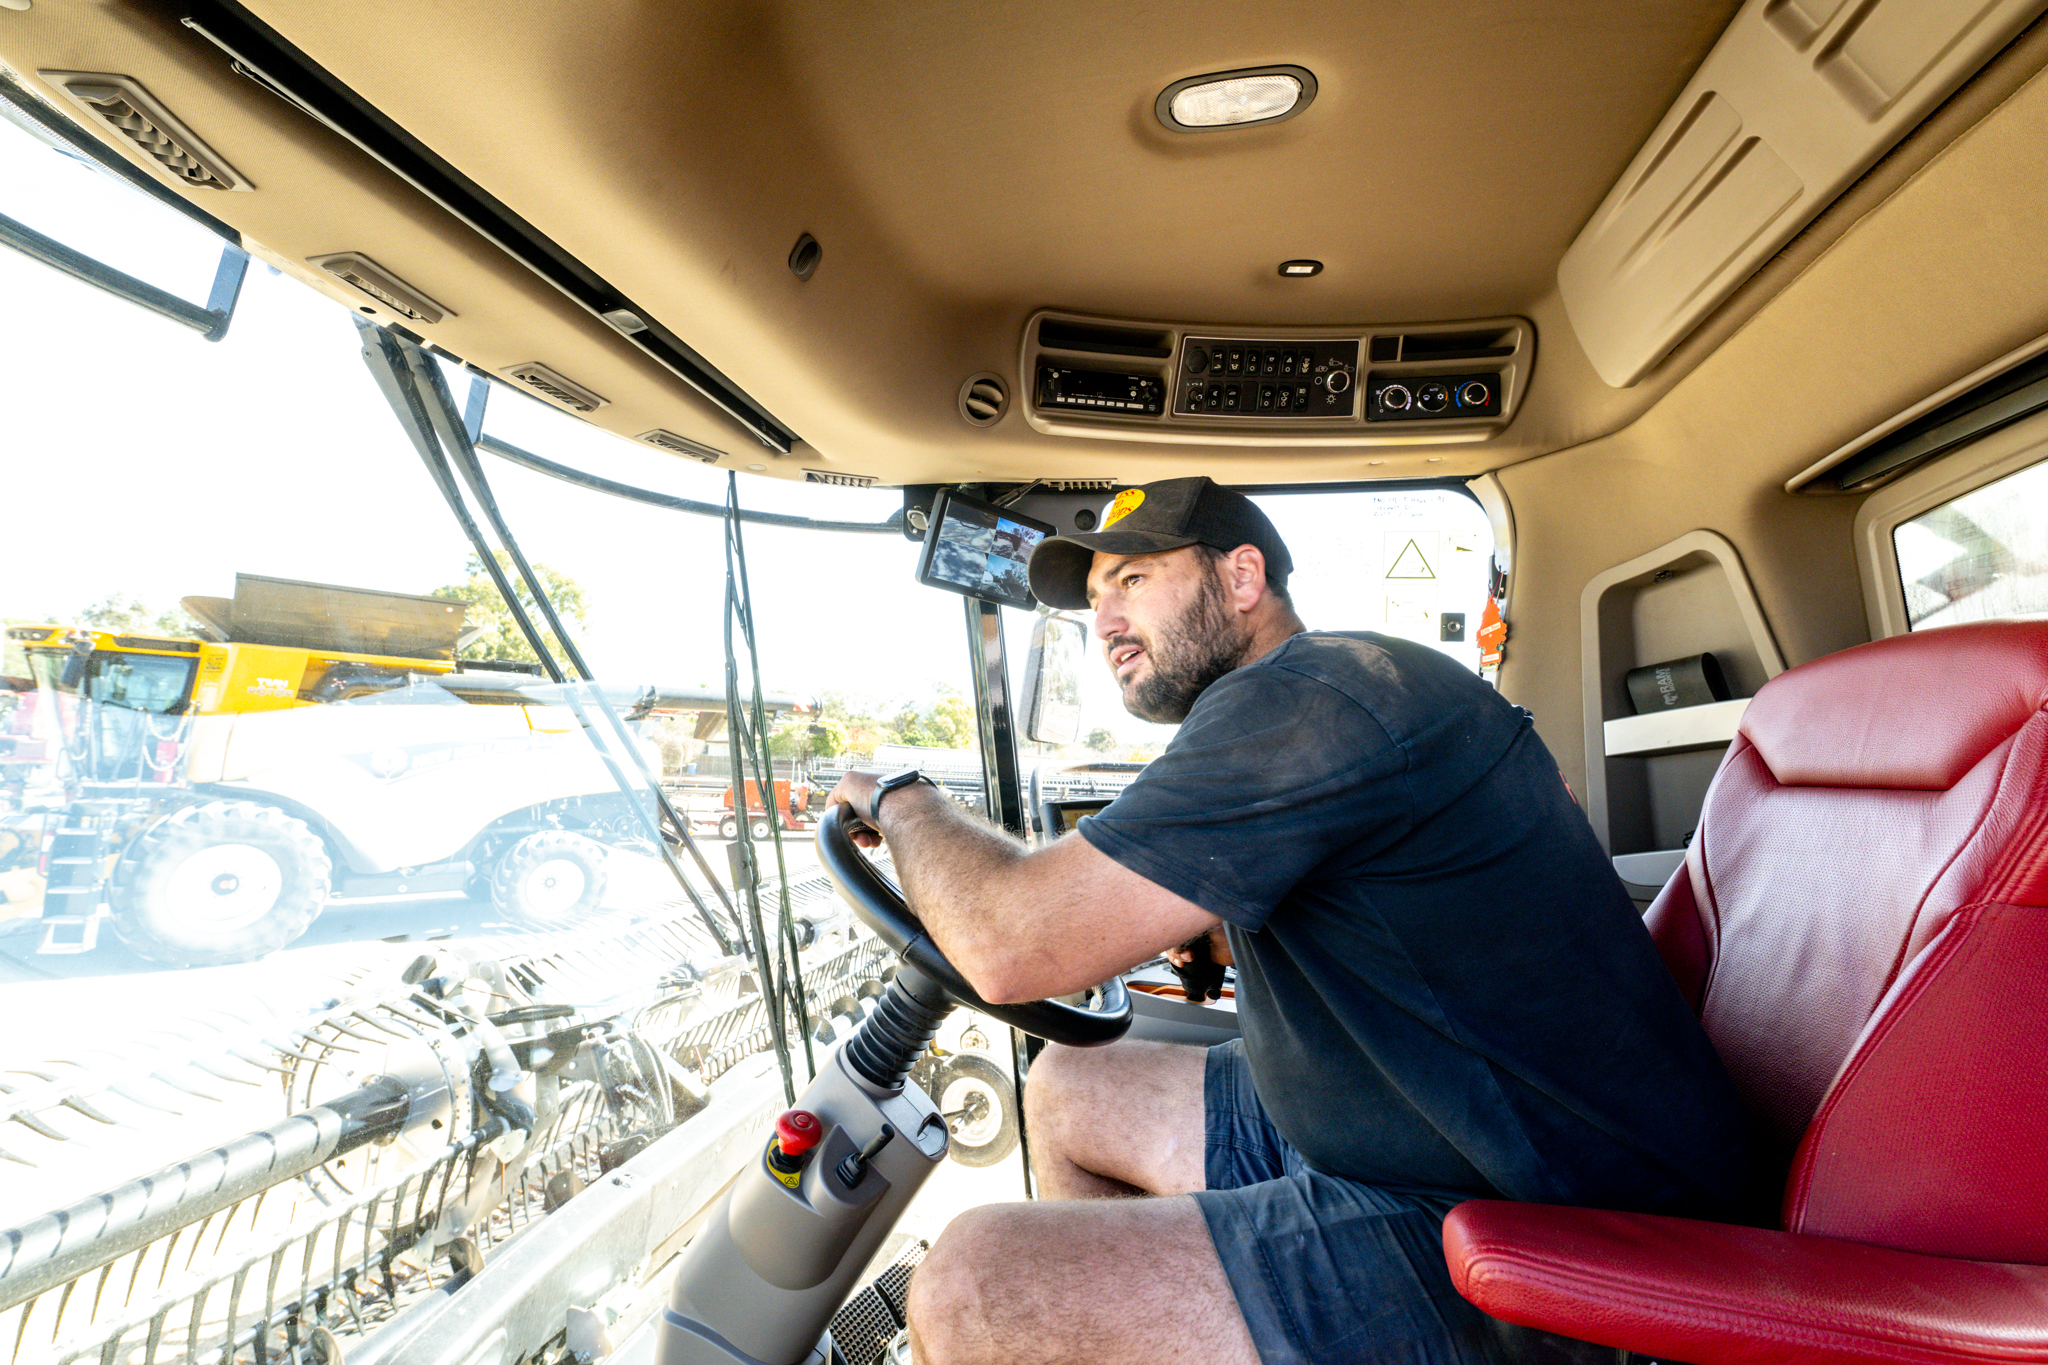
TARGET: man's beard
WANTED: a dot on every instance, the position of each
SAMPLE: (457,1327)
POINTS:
(1191,651)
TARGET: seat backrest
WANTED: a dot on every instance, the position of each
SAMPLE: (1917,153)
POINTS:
(1862,924)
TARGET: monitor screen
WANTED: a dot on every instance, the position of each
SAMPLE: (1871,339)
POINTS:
(980,550)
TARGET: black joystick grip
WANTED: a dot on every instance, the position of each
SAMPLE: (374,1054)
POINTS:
(1202,978)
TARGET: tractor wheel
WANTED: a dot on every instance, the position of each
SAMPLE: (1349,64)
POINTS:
(729,827)
(758,827)
(980,1108)
(549,879)
(222,882)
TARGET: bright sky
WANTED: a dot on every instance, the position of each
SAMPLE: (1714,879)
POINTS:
(137,458)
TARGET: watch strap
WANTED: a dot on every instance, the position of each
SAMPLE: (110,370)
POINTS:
(903,777)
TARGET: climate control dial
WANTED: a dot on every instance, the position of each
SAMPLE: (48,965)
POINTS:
(1430,397)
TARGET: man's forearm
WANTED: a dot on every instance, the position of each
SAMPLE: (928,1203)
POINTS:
(1019,924)
(961,877)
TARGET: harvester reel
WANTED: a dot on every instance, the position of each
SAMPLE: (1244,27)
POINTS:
(225,881)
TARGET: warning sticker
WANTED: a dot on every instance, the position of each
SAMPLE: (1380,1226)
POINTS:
(1410,562)
(1406,611)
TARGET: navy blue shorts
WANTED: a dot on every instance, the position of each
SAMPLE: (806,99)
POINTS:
(1328,1270)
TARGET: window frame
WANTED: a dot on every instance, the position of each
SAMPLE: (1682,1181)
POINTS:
(1983,461)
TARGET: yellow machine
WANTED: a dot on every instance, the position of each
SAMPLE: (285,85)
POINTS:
(166,758)
(275,644)
(211,797)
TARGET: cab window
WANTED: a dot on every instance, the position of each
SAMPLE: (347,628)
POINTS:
(1978,556)
(1410,563)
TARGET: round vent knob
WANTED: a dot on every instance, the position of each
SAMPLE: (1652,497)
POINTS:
(984,399)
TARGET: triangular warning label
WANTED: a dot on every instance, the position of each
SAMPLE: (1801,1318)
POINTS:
(1410,563)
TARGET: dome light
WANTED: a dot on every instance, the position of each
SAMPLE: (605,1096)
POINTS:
(1228,99)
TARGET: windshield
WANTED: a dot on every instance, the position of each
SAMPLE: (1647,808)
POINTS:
(360,831)
(135,682)
(493,840)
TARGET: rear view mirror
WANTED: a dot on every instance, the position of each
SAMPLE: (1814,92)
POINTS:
(1052,680)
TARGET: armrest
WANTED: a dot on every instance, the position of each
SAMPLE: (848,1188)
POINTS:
(1718,1294)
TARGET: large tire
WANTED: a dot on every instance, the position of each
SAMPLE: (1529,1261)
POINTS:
(549,879)
(980,1106)
(222,882)
(758,827)
(729,827)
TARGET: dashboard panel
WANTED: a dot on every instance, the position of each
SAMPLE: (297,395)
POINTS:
(1397,384)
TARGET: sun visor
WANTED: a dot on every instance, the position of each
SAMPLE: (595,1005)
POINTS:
(1796,100)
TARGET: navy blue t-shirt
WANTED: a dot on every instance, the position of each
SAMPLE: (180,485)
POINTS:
(1441,982)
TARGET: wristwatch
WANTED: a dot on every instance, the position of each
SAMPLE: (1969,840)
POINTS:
(902,777)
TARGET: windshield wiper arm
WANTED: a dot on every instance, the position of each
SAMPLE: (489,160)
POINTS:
(505,450)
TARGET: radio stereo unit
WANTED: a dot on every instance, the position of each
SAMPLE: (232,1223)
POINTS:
(1100,391)
(1237,378)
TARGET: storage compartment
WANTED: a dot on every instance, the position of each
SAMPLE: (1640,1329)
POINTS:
(1647,775)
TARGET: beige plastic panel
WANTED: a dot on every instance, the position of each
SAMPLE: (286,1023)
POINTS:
(316,199)
(1267,432)
(1797,99)
(1687,597)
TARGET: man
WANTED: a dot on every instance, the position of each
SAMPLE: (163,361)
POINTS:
(1444,991)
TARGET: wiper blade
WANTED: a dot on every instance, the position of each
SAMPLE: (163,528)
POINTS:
(505,450)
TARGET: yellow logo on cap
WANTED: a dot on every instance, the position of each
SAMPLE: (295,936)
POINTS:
(1125,504)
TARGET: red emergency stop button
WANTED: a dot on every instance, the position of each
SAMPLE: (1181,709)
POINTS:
(797,1131)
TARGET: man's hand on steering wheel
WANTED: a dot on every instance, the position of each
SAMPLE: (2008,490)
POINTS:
(880,904)
(856,791)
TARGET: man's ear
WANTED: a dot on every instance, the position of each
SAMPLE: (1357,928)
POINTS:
(1244,572)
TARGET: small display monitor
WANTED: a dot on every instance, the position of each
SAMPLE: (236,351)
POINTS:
(979,550)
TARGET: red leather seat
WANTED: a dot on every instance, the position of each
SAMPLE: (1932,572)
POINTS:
(1862,925)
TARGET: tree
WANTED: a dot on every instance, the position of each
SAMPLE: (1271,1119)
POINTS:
(127,614)
(802,736)
(1101,741)
(670,734)
(864,722)
(950,723)
(501,638)
(947,723)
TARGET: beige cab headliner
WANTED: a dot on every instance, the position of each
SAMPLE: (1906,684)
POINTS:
(964,167)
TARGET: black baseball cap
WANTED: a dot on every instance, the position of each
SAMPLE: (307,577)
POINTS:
(1146,520)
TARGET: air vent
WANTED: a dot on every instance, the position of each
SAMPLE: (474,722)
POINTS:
(804,257)
(838,480)
(1079,485)
(1490,344)
(984,398)
(1098,340)
(128,110)
(381,285)
(681,445)
(548,384)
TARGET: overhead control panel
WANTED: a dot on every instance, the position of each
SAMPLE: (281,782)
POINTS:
(1429,383)
(1248,377)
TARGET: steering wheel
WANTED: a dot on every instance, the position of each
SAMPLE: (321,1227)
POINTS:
(881,906)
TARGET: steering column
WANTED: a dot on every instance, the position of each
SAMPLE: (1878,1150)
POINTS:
(781,1253)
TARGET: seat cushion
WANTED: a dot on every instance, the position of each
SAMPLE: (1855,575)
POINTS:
(1718,1294)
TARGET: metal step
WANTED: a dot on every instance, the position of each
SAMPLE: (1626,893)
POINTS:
(67,934)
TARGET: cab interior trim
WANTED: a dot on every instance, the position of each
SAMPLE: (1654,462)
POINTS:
(262,54)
